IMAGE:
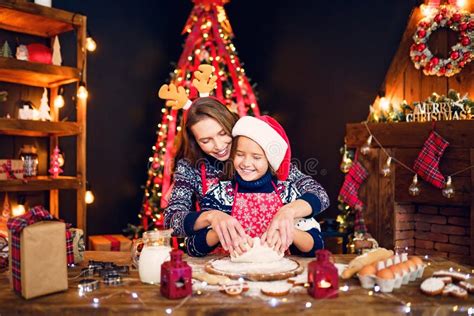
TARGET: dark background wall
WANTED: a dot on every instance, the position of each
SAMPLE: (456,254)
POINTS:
(317,65)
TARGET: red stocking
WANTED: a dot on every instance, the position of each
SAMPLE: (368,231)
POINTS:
(350,188)
(427,163)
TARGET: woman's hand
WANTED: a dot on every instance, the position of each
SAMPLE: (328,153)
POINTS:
(230,232)
(279,234)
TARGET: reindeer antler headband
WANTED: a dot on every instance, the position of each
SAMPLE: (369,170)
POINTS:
(177,98)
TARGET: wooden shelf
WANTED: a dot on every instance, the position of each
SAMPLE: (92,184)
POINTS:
(36,74)
(30,128)
(41,183)
(29,18)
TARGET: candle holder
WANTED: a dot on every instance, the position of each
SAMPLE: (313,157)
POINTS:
(323,278)
(176,277)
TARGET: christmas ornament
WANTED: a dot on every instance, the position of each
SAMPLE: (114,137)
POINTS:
(448,190)
(57,59)
(448,16)
(414,189)
(176,277)
(427,163)
(386,169)
(365,149)
(323,278)
(346,162)
(55,170)
(44,109)
(349,190)
(6,50)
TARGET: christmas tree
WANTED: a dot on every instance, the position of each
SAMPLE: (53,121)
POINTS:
(208,42)
(44,109)
(55,169)
(6,50)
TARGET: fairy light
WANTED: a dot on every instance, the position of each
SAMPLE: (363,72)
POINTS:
(384,104)
(273,302)
(407,308)
(426,10)
(59,101)
(168,311)
(18,210)
(91,45)
(470,311)
(82,92)
(376,288)
(461,3)
(308,304)
(344,288)
(95,301)
(134,295)
(370,293)
(455,308)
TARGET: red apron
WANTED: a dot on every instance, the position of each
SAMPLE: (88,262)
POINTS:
(255,211)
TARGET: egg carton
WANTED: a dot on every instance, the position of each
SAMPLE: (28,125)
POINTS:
(392,273)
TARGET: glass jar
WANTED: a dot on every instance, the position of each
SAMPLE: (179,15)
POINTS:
(149,252)
(28,154)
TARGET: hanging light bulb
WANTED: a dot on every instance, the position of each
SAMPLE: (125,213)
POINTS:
(346,162)
(59,101)
(414,189)
(91,45)
(82,92)
(448,190)
(386,170)
(365,149)
(89,196)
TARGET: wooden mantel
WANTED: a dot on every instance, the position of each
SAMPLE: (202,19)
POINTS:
(404,142)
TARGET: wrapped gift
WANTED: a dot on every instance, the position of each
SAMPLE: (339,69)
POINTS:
(39,253)
(11,169)
(109,243)
(78,245)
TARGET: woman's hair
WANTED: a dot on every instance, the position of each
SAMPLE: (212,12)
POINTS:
(202,108)
(229,170)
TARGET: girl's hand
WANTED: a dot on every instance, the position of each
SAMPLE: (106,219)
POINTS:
(230,232)
(279,234)
(243,247)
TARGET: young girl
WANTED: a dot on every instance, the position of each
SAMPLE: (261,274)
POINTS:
(258,190)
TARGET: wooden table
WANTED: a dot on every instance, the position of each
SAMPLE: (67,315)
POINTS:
(119,299)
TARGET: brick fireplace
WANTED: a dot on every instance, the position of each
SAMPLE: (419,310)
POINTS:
(427,223)
(433,230)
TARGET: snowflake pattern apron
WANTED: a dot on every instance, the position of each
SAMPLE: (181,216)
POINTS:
(255,211)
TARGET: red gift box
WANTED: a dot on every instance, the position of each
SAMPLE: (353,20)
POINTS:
(11,169)
(109,243)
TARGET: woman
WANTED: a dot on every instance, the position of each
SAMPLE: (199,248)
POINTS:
(205,147)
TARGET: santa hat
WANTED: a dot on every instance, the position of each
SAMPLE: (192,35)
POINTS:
(270,135)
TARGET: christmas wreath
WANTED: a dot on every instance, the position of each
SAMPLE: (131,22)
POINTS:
(461,53)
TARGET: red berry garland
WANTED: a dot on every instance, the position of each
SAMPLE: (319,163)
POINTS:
(461,53)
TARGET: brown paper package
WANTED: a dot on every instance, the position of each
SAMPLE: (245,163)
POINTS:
(43,259)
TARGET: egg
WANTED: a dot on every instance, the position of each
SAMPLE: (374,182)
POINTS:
(417,261)
(411,265)
(396,269)
(368,270)
(403,267)
(386,274)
